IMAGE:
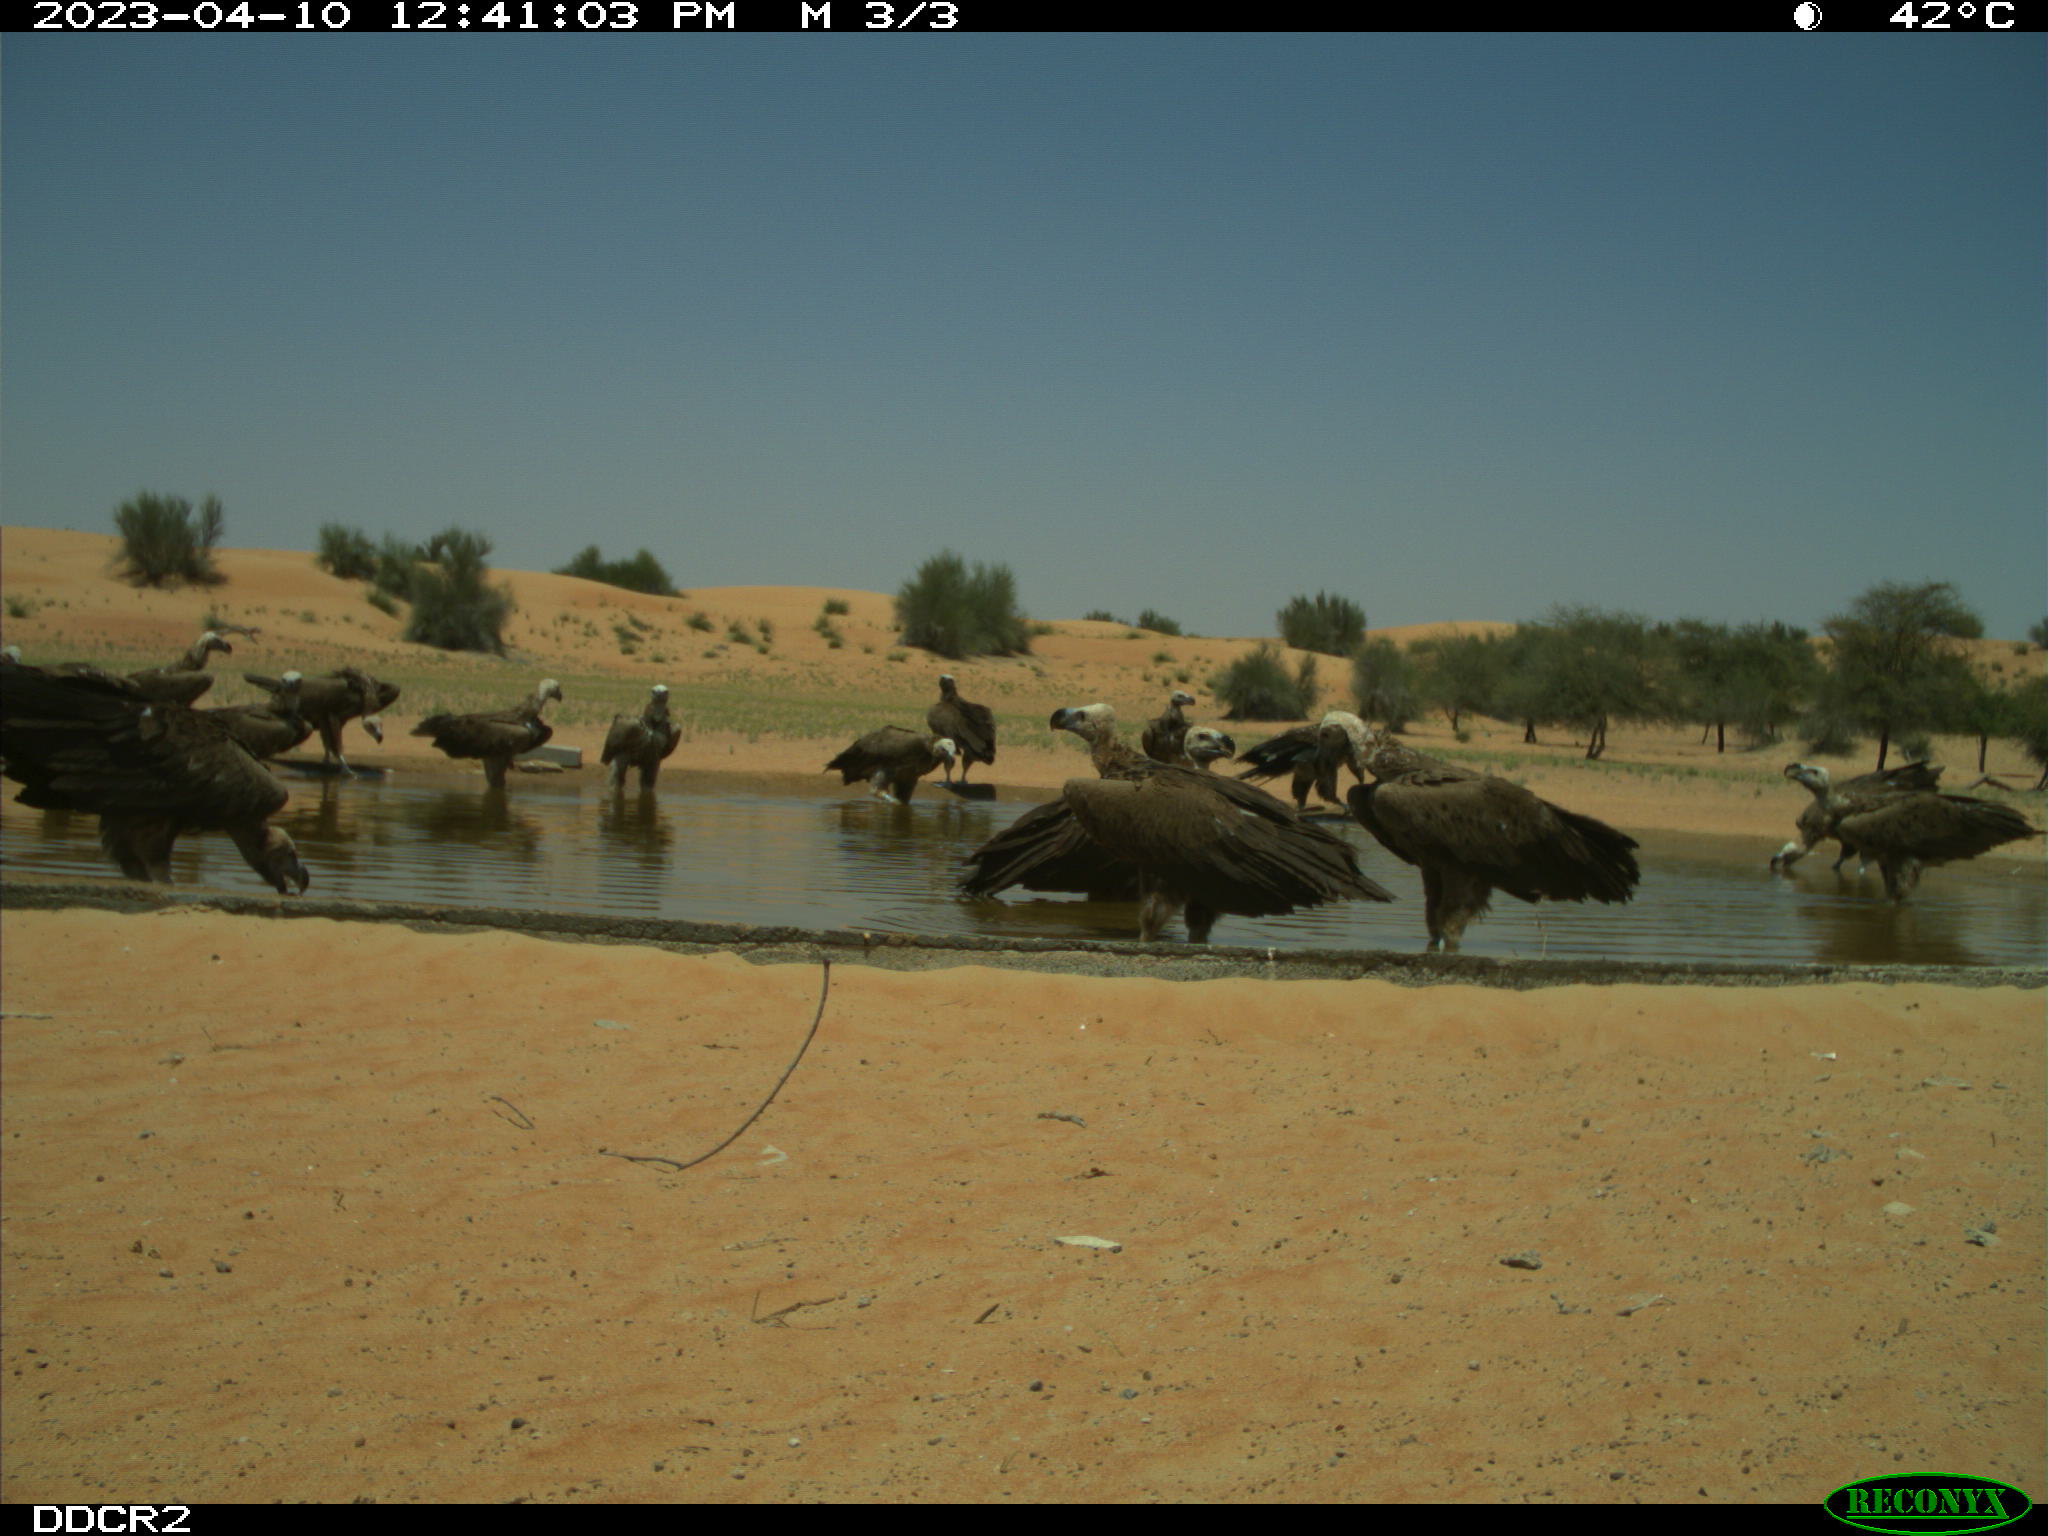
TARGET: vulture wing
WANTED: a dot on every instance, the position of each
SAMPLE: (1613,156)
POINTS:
(1933,828)
(971,727)
(1219,843)
(1046,849)
(86,744)
(1499,834)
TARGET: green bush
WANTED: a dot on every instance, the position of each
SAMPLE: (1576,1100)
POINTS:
(383,601)
(1333,625)
(958,612)
(837,605)
(164,542)
(1103,616)
(396,561)
(346,552)
(453,606)
(1157,622)
(642,573)
(1256,686)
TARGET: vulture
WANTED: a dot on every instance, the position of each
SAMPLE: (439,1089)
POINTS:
(1906,832)
(1473,834)
(1199,844)
(328,703)
(10,655)
(266,730)
(150,770)
(1813,821)
(642,741)
(180,683)
(892,759)
(1045,849)
(970,727)
(1312,755)
(1164,736)
(497,736)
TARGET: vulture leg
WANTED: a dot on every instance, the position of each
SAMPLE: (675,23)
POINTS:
(494,770)
(1464,898)
(140,846)
(1157,907)
(618,774)
(1900,877)
(1433,907)
(649,772)
(1200,920)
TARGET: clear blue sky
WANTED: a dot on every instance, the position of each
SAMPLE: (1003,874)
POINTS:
(1459,327)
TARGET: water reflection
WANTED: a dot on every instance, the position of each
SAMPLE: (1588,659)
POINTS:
(833,860)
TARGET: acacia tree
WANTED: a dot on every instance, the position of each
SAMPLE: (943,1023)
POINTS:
(1383,684)
(1458,674)
(1889,674)
(1595,667)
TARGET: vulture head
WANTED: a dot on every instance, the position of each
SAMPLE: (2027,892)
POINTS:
(548,689)
(1812,775)
(213,641)
(1206,745)
(271,852)
(945,748)
(1090,722)
(11,655)
(373,725)
(1181,698)
(948,685)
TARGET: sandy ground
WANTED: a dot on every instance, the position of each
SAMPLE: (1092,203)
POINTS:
(322,1211)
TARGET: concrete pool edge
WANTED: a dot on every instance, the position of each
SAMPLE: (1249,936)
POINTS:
(910,952)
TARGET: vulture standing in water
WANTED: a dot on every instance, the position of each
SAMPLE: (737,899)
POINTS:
(328,703)
(1473,834)
(892,759)
(1312,755)
(1907,832)
(180,683)
(266,730)
(970,727)
(1046,849)
(642,741)
(151,772)
(1201,845)
(1165,734)
(1864,789)
(496,736)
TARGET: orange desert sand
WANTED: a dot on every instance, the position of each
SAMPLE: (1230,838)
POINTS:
(322,1211)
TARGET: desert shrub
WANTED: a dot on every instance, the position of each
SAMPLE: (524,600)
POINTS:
(383,601)
(346,552)
(1257,686)
(165,542)
(397,559)
(642,573)
(1157,622)
(453,605)
(701,620)
(837,606)
(1333,625)
(958,612)
(19,608)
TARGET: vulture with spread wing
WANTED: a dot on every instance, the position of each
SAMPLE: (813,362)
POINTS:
(643,741)
(1312,754)
(1473,834)
(892,760)
(970,727)
(1910,831)
(151,772)
(1200,845)
(328,703)
(495,736)
(1865,790)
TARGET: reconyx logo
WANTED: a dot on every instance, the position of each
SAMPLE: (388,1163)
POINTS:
(1935,1502)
